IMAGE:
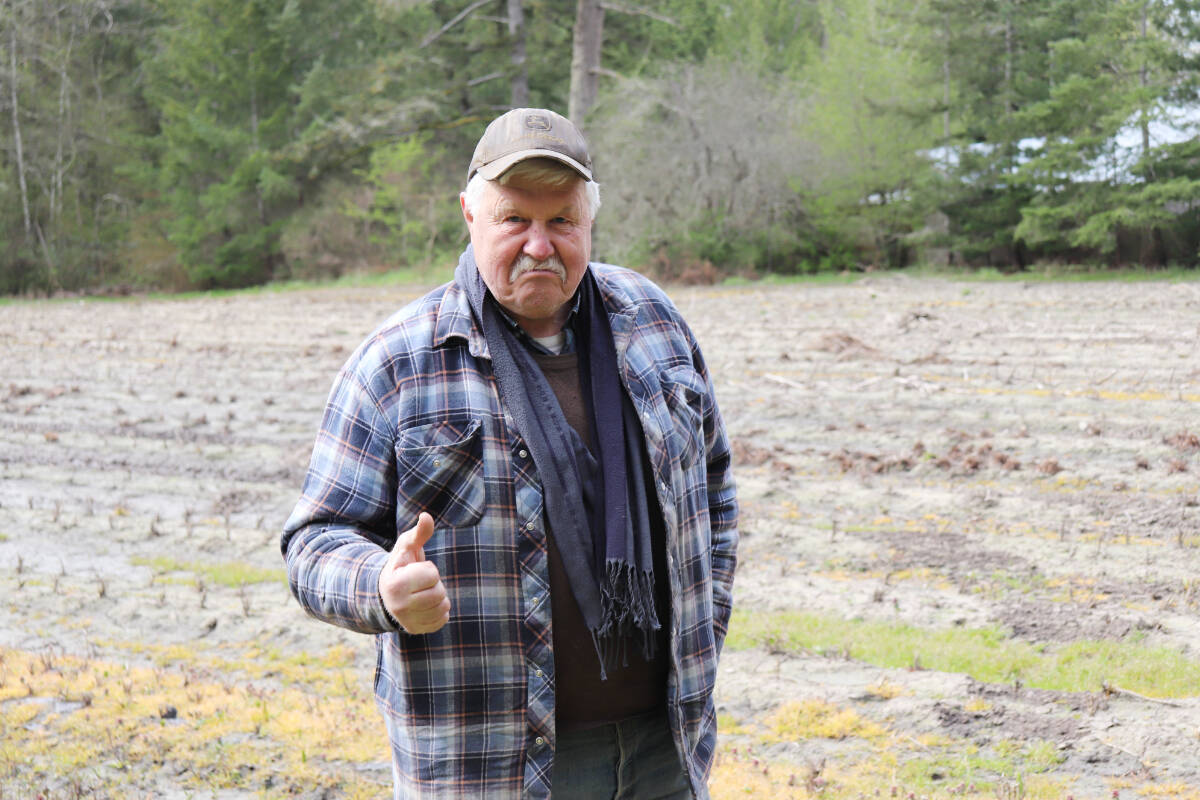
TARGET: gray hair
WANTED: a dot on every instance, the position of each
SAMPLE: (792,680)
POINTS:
(536,172)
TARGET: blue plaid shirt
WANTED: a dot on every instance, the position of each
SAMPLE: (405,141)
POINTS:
(414,423)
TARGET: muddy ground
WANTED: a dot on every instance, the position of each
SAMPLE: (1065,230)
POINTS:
(1017,456)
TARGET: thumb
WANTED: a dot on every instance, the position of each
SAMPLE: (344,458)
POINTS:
(410,547)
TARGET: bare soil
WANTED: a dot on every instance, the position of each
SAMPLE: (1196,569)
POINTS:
(918,451)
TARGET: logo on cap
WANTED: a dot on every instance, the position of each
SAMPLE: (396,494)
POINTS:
(537,122)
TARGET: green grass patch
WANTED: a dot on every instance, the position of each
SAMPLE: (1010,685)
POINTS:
(1041,755)
(1014,767)
(416,277)
(986,654)
(826,278)
(228,573)
(409,276)
(1043,273)
(1081,273)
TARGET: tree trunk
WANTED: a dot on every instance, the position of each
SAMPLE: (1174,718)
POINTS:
(1009,91)
(16,123)
(946,88)
(585,58)
(268,257)
(254,146)
(1008,63)
(1145,121)
(65,129)
(520,76)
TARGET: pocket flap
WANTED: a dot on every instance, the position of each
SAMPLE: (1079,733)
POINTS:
(440,470)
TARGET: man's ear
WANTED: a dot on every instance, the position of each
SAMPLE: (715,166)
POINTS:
(462,201)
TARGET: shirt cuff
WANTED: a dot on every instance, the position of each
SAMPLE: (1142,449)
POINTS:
(367,583)
(388,615)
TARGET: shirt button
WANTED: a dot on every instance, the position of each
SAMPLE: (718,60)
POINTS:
(540,674)
(523,453)
(529,526)
(539,741)
(437,463)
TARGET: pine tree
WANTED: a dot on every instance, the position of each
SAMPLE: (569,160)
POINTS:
(1102,182)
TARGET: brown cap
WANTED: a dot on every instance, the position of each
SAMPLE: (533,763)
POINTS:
(529,133)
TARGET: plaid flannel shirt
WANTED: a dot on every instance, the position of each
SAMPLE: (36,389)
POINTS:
(414,423)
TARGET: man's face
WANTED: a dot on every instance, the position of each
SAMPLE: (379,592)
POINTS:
(532,248)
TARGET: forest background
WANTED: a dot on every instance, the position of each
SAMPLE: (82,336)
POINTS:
(196,144)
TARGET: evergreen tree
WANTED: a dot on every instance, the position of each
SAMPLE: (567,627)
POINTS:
(992,56)
(1103,182)
(221,86)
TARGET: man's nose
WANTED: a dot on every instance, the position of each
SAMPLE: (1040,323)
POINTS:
(537,242)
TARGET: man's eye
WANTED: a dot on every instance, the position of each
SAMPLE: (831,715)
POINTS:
(514,219)
(560,220)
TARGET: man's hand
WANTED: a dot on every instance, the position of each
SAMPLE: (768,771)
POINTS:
(410,586)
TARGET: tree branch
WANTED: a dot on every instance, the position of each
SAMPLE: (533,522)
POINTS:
(620,8)
(606,73)
(459,17)
(491,76)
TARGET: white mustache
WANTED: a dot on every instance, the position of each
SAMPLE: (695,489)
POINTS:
(526,263)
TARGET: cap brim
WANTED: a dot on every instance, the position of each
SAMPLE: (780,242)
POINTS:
(503,164)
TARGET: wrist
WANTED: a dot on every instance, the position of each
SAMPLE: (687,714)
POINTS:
(395,623)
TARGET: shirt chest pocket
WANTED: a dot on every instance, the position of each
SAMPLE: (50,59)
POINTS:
(439,469)
(683,389)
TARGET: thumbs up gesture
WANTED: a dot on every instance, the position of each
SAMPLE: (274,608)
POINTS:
(410,586)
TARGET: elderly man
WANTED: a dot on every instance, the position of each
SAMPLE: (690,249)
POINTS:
(522,488)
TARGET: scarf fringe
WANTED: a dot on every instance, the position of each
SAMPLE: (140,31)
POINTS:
(627,599)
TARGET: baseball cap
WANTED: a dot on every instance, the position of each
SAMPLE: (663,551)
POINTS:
(529,133)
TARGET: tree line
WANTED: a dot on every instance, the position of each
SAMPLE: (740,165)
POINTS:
(220,143)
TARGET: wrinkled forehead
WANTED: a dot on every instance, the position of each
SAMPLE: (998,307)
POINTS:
(570,199)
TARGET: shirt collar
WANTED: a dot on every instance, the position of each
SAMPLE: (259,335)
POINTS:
(528,341)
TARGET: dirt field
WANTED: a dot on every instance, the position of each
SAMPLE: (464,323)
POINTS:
(938,480)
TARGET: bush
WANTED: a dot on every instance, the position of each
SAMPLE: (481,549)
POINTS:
(697,165)
(20,274)
(321,240)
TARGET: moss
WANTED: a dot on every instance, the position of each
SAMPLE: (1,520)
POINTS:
(817,719)
(228,573)
(986,654)
(884,765)
(216,716)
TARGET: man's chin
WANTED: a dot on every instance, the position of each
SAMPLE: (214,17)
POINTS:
(543,303)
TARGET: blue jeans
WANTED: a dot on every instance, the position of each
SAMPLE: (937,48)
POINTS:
(634,759)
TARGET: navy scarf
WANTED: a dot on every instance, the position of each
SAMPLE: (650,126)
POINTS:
(598,511)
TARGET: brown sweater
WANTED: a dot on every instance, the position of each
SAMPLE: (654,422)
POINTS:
(581,699)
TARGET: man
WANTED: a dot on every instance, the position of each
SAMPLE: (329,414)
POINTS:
(538,447)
